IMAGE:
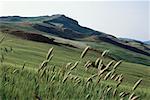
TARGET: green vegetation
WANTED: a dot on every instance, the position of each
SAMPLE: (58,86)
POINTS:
(120,53)
(20,77)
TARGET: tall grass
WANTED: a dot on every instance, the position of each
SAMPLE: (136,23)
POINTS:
(50,83)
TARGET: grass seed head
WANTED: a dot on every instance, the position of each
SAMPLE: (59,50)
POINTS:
(64,79)
(68,64)
(74,66)
(117,64)
(135,98)
(2,39)
(97,62)
(100,64)
(49,53)
(87,96)
(104,53)
(114,92)
(131,96)
(44,64)
(108,90)
(113,76)
(107,75)
(136,84)
(84,52)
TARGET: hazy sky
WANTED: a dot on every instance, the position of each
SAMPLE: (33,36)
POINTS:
(129,19)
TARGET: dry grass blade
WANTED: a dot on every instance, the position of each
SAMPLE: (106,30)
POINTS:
(106,68)
(108,90)
(98,79)
(86,64)
(68,64)
(49,53)
(109,64)
(68,73)
(76,77)
(2,39)
(84,52)
(89,79)
(113,76)
(136,84)
(116,79)
(120,78)
(93,75)
(23,66)
(16,71)
(44,72)
(65,78)
(107,75)
(87,96)
(74,66)
(135,98)
(50,58)
(97,62)
(100,64)
(44,64)
(131,96)
(53,77)
(117,64)
(118,84)
(104,53)
(121,94)
(114,92)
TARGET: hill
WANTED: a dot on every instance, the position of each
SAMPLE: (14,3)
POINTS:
(23,59)
(147,42)
(61,27)
(42,58)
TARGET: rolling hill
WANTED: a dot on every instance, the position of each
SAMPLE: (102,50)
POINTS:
(25,41)
(60,27)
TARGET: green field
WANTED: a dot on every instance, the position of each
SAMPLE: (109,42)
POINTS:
(25,84)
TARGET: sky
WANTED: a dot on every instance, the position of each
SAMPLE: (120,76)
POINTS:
(127,19)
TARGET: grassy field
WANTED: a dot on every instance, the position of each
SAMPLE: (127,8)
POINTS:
(27,83)
(118,53)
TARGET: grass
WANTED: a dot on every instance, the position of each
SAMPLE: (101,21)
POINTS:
(115,51)
(26,84)
(118,53)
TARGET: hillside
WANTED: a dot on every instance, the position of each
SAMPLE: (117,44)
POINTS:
(64,29)
(25,57)
(53,57)
(147,42)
